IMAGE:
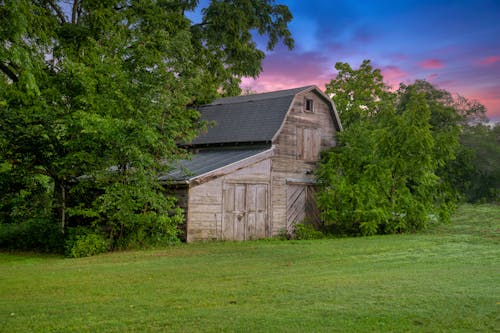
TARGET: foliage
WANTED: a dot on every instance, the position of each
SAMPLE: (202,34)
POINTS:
(474,172)
(306,231)
(481,160)
(84,242)
(32,235)
(23,196)
(386,175)
(444,279)
(96,95)
(134,211)
(358,93)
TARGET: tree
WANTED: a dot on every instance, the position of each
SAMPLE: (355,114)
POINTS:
(381,179)
(358,93)
(454,117)
(481,158)
(383,176)
(95,95)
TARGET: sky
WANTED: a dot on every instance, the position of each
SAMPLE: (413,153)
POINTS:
(455,45)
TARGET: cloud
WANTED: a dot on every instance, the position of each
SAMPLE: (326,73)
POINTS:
(489,60)
(432,77)
(363,35)
(397,57)
(490,97)
(456,57)
(393,76)
(431,64)
(284,69)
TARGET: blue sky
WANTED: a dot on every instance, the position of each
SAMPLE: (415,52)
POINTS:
(452,44)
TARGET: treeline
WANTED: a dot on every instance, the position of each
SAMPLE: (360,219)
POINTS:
(406,157)
(95,96)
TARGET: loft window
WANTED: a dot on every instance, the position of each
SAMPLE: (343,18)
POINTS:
(308,105)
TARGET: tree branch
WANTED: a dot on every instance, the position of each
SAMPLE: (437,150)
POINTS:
(58,11)
(201,24)
(75,11)
(118,8)
(7,71)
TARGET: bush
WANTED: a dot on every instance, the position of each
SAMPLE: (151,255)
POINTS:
(85,242)
(40,234)
(307,231)
(137,214)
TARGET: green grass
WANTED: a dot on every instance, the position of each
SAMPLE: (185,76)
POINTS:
(444,280)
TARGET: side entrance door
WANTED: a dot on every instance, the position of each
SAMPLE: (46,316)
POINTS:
(245,211)
(301,205)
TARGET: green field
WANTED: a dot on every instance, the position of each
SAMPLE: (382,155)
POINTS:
(444,280)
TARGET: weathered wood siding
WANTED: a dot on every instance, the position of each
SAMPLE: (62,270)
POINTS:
(297,146)
(214,206)
(262,197)
(245,211)
(301,205)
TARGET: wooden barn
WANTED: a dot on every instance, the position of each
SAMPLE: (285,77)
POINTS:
(251,174)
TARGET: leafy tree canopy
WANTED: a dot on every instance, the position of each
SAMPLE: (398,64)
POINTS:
(480,161)
(358,93)
(87,85)
(391,171)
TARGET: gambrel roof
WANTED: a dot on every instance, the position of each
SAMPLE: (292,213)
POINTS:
(241,130)
(250,118)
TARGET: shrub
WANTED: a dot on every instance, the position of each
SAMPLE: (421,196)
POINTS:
(137,214)
(85,242)
(306,231)
(40,234)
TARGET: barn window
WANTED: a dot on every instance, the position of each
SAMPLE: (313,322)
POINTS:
(308,105)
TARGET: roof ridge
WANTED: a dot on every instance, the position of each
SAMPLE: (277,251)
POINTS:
(281,91)
(259,96)
(244,101)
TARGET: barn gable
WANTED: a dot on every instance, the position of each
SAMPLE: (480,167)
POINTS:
(251,173)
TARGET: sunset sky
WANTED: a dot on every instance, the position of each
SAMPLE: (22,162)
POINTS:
(452,44)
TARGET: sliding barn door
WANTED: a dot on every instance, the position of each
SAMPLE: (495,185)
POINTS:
(245,211)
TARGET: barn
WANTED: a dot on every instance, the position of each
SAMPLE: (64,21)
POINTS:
(251,173)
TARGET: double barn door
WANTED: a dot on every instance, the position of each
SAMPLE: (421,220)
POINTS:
(245,211)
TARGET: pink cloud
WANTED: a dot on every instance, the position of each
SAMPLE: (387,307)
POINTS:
(488,96)
(431,64)
(432,77)
(281,71)
(393,76)
(490,60)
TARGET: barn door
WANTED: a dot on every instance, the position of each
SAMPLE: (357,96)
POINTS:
(245,211)
(301,205)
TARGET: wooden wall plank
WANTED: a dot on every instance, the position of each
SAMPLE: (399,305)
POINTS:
(297,148)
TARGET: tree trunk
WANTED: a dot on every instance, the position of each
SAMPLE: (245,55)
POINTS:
(60,202)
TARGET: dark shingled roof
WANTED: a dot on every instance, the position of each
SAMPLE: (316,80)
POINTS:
(249,118)
(209,160)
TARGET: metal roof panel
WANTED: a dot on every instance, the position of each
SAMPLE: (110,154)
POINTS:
(208,160)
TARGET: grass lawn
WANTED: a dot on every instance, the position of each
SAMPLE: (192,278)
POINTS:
(446,279)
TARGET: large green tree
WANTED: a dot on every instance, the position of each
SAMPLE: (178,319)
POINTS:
(391,171)
(94,95)
(359,94)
